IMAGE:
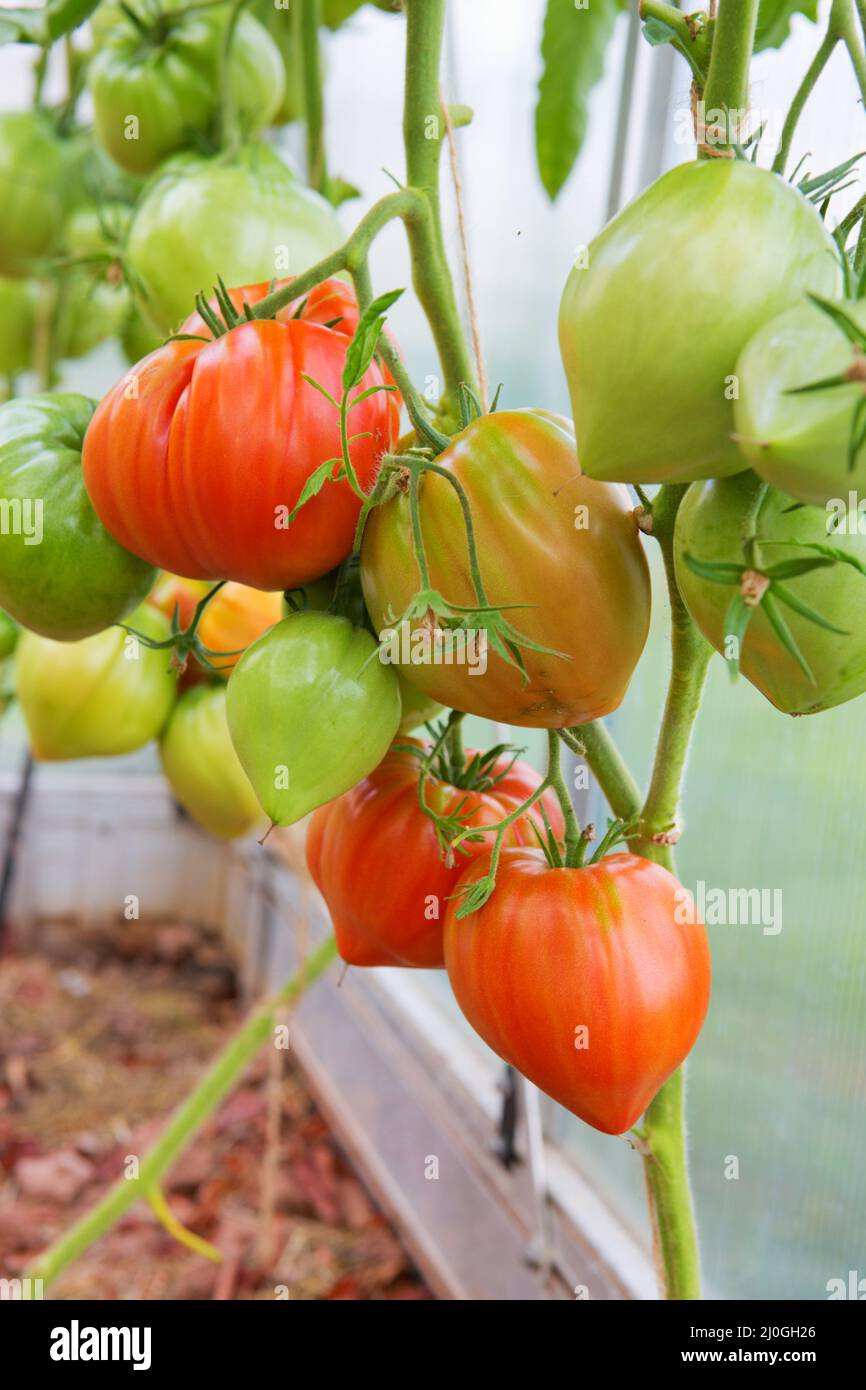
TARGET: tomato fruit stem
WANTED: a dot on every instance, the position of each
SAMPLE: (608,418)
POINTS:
(727,89)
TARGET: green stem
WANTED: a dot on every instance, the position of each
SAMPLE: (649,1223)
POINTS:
(690,657)
(843,23)
(423,127)
(456,752)
(314,104)
(230,134)
(726,93)
(692,36)
(211,1090)
(574,845)
(665,1157)
(620,790)
(816,67)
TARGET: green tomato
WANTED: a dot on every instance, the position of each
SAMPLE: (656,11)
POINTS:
(106,695)
(202,767)
(416,707)
(9,633)
(800,443)
(61,573)
(155,85)
(311,711)
(713,520)
(655,316)
(41,180)
(246,219)
(137,338)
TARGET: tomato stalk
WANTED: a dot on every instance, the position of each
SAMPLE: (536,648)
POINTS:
(801,96)
(575,844)
(843,22)
(314,106)
(211,1090)
(727,87)
(230,134)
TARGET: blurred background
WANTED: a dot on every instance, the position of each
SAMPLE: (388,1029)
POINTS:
(778,1078)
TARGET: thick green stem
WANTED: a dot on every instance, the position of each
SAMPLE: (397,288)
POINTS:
(726,94)
(665,1157)
(214,1086)
(423,129)
(573,843)
(843,23)
(609,768)
(804,91)
(230,133)
(314,103)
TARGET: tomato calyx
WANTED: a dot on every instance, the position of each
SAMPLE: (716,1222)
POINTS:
(185,642)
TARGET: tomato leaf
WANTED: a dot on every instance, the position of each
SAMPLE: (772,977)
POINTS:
(366,338)
(313,485)
(573,46)
(46,24)
(774,20)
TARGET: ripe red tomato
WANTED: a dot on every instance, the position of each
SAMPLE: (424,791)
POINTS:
(200,454)
(566,547)
(375,858)
(586,980)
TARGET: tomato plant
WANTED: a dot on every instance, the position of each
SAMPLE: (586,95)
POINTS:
(155,79)
(311,710)
(720,243)
(244,218)
(613,990)
(803,442)
(802,665)
(378,860)
(163,466)
(559,546)
(202,767)
(105,695)
(61,573)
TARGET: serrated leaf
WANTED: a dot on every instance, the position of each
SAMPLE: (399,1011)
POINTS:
(774,20)
(313,485)
(573,46)
(365,338)
(45,24)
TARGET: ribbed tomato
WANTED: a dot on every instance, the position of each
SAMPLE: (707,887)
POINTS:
(592,982)
(382,917)
(200,454)
(564,547)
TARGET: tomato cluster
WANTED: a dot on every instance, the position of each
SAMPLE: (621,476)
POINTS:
(235,553)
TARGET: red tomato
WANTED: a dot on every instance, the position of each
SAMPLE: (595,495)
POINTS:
(200,453)
(585,980)
(374,856)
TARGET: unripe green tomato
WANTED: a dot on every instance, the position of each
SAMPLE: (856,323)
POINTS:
(61,573)
(137,337)
(712,522)
(281,24)
(311,711)
(799,443)
(655,316)
(106,695)
(156,85)
(41,181)
(247,219)
(202,767)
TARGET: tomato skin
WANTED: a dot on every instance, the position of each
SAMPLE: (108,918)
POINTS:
(170,593)
(231,429)
(91,699)
(169,80)
(800,443)
(78,580)
(554,950)
(311,711)
(374,856)
(40,182)
(234,618)
(710,526)
(202,767)
(204,218)
(587,590)
(720,242)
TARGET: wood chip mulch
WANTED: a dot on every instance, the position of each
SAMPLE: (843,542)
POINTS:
(99,1039)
